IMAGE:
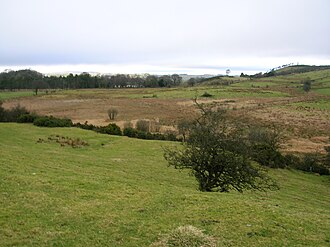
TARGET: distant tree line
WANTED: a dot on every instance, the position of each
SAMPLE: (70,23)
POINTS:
(30,79)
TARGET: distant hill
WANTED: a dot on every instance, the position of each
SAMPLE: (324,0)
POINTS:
(291,77)
(299,69)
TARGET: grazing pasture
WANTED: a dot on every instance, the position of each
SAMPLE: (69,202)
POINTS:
(117,191)
(74,187)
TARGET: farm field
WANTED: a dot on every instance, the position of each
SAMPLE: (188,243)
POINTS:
(118,191)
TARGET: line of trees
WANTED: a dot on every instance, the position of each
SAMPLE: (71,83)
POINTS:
(30,79)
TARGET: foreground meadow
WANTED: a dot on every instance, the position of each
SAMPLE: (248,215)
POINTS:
(118,191)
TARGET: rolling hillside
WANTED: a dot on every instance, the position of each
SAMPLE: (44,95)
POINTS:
(117,191)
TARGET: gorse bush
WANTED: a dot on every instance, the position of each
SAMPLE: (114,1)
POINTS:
(264,147)
(130,132)
(266,155)
(2,112)
(22,115)
(11,115)
(50,121)
(170,136)
(327,156)
(110,129)
(27,118)
(312,162)
(134,133)
(85,126)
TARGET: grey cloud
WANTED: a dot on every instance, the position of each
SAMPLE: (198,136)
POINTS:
(161,32)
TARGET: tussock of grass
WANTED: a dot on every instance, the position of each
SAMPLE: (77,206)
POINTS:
(64,141)
(186,236)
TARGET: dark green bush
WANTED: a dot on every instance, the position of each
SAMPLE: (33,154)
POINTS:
(50,121)
(134,133)
(264,147)
(12,114)
(292,160)
(327,156)
(111,129)
(170,136)
(27,118)
(150,136)
(158,136)
(130,132)
(2,112)
(141,135)
(312,163)
(206,95)
(86,126)
(266,155)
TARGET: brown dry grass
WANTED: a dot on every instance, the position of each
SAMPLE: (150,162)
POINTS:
(95,110)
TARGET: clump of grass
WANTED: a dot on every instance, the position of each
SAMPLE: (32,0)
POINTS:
(186,236)
(150,96)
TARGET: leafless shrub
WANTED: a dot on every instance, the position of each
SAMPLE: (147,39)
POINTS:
(142,125)
(112,113)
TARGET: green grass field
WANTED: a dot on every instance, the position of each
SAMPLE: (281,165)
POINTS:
(320,81)
(325,91)
(4,95)
(318,105)
(120,192)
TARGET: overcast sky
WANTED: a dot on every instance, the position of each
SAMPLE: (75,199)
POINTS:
(163,36)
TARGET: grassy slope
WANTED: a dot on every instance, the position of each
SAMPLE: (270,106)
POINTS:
(300,69)
(119,192)
(320,80)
